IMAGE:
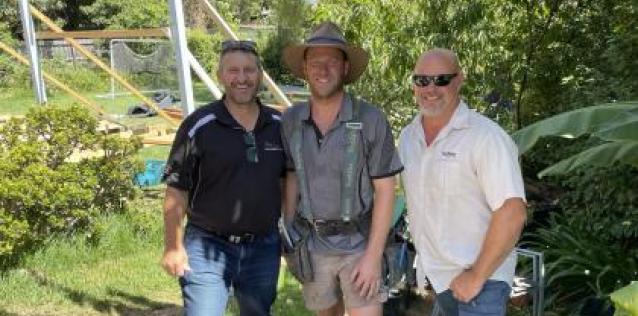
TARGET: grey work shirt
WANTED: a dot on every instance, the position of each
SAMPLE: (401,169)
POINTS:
(323,164)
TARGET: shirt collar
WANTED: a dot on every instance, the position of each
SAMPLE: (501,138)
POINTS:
(461,117)
(224,117)
(345,112)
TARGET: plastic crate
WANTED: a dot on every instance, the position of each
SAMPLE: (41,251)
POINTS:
(152,174)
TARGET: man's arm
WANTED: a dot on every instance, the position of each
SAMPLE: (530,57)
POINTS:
(502,234)
(367,271)
(291,193)
(174,260)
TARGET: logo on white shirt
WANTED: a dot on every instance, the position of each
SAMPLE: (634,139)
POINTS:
(448,154)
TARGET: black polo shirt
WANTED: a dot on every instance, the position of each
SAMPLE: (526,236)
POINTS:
(228,194)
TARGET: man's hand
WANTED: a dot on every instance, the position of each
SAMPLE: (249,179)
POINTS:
(366,276)
(466,286)
(175,262)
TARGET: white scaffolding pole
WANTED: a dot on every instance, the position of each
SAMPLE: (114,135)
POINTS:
(203,75)
(178,34)
(32,48)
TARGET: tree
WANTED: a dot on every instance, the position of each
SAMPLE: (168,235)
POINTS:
(545,57)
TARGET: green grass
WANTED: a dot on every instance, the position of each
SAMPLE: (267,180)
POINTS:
(118,273)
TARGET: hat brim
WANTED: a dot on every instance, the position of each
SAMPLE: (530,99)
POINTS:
(293,58)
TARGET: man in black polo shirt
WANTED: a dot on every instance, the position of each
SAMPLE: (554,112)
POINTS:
(223,174)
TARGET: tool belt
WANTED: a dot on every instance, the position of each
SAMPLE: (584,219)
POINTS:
(295,249)
(333,227)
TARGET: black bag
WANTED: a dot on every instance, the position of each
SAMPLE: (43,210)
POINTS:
(295,249)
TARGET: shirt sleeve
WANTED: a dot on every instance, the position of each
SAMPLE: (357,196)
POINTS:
(498,170)
(383,158)
(180,163)
(287,124)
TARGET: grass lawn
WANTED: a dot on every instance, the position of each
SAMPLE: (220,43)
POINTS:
(116,273)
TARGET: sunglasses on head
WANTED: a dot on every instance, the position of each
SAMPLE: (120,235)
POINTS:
(233,45)
(441,80)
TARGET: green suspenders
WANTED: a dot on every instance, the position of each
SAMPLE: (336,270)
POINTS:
(348,174)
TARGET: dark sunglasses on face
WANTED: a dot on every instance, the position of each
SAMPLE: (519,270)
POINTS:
(233,45)
(441,80)
(251,147)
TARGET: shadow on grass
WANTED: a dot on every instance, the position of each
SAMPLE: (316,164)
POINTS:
(5,313)
(118,301)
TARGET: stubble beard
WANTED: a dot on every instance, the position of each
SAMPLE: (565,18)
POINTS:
(241,98)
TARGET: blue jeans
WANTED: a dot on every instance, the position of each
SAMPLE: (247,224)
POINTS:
(492,301)
(250,268)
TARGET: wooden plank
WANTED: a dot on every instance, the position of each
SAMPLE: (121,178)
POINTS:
(97,34)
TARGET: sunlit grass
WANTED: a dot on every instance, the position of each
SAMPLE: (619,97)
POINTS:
(115,272)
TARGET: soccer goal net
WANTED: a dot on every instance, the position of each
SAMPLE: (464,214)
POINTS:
(147,64)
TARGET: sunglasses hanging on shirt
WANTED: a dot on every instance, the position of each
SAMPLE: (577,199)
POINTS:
(251,147)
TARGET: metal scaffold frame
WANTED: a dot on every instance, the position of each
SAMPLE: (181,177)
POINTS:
(184,58)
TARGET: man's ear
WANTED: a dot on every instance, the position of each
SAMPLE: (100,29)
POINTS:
(346,68)
(305,70)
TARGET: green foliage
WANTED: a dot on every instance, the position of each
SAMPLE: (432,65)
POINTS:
(123,14)
(292,19)
(581,265)
(57,173)
(613,128)
(603,202)
(626,300)
(12,73)
(544,56)
(205,47)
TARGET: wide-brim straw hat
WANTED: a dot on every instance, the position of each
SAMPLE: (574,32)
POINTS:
(326,34)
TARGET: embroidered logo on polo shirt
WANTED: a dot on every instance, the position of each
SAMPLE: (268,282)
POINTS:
(448,155)
(268,146)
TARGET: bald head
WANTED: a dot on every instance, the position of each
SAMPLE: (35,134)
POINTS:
(445,57)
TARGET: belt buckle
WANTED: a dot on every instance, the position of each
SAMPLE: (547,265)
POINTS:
(317,224)
(238,239)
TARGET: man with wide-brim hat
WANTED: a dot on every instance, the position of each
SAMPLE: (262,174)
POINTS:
(341,164)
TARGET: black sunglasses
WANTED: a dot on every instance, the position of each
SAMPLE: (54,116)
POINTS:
(441,80)
(251,147)
(233,45)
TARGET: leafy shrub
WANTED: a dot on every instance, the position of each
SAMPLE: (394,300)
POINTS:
(12,73)
(581,266)
(205,47)
(57,173)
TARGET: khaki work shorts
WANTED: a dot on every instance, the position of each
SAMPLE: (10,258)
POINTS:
(332,283)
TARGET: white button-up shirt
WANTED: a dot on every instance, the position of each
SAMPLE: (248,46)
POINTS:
(452,187)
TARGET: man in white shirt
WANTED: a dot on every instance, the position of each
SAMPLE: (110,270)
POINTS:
(464,192)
